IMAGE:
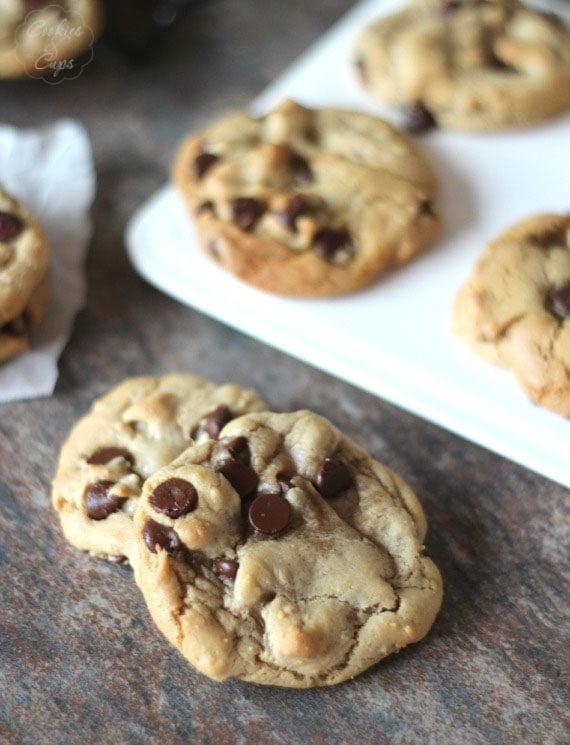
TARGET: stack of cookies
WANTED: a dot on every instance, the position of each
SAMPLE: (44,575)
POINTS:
(268,546)
(23,284)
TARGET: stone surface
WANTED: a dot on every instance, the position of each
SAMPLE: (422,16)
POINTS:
(80,661)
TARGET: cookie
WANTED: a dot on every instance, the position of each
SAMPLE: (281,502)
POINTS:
(23,285)
(135,429)
(304,202)
(514,310)
(283,554)
(468,64)
(39,37)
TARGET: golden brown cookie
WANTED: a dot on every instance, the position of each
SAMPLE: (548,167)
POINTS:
(136,428)
(23,284)
(283,554)
(514,310)
(468,64)
(44,37)
(307,202)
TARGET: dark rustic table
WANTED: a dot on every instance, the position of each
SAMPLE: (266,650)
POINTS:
(80,661)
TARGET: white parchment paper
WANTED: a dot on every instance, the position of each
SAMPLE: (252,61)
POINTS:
(51,170)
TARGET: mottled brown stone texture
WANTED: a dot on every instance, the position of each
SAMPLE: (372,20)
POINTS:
(80,661)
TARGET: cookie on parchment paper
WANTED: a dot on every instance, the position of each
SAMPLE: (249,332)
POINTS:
(283,554)
(307,202)
(24,292)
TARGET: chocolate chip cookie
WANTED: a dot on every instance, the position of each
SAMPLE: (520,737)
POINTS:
(136,428)
(307,202)
(41,37)
(283,554)
(514,310)
(468,64)
(23,285)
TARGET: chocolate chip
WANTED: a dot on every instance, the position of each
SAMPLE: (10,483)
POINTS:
(174,497)
(554,237)
(238,448)
(269,514)
(203,163)
(105,455)
(155,534)
(448,8)
(296,207)
(242,477)
(333,477)
(301,169)
(331,243)
(559,301)
(419,119)
(246,212)
(426,208)
(226,569)
(99,503)
(10,226)
(17,326)
(213,422)
(207,206)
(118,559)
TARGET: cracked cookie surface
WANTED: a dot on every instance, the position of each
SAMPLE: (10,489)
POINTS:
(36,35)
(283,554)
(468,64)
(135,429)
(514,310)
(23,285)
(307,202)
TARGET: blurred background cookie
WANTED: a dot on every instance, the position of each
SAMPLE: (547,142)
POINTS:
(23,285)
(45,38)
(467,64)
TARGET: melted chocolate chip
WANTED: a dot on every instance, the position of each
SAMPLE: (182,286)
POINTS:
(554,237)
(238,448)
(559,301)
(17,326)
(203,163)
(207,206)
(212,424)
(269,514)
(105,455)
(449,7)
(10,226)
(246,212)
(330,243)
(241,476)
(226,569)
(426,208)
(332,478)
(296,207)
(155,534)
(99,503)
(419,119)
(301,169)
(174,497)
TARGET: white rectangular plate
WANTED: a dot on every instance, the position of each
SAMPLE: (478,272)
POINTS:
(393,339)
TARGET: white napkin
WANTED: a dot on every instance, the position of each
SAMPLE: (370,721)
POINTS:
(51,170)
